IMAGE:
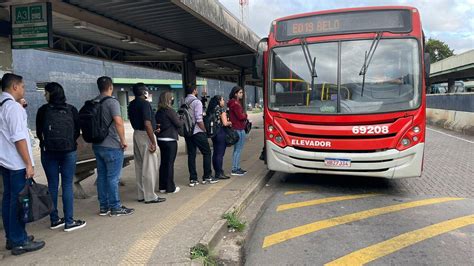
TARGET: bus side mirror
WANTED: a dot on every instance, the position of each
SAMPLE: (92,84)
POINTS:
(257,72)
(427,67)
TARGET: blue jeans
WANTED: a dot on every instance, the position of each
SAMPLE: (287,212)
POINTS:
(109,167)
(64,163)
(13,182)
(238,147)
(218,142)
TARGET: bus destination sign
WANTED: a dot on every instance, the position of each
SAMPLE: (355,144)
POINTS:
(348,22)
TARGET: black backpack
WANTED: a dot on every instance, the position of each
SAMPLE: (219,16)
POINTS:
(185,113)
(91,120)
(58,128)
(211,122)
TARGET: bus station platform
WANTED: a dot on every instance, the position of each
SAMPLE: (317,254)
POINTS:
(160,233)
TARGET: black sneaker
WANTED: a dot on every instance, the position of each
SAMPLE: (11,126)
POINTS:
(59,223)
(223,176)
(243,171)
(209,180)
(237,172)
(104,212)
(76,224)
(122,211)
(29,246)
(8,246)
(193,183)
(157,200)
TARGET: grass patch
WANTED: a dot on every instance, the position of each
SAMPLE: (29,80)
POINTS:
(256,110)
(234,222)
(201,253)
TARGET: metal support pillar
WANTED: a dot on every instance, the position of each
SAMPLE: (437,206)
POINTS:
(451,87)
(188,73)
(256,97)
(6,64)
(241,83)
(6,60)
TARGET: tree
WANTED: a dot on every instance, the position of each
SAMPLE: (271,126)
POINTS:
(438,50)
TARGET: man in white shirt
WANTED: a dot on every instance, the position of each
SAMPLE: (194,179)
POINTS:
(16,163)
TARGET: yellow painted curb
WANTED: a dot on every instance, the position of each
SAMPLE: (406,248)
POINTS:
(289,206)
(296,192)
(324,224)
(368,254)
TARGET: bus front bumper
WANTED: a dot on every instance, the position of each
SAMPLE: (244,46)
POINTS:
(385,164)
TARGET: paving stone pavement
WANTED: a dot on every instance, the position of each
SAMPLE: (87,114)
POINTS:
(448,166)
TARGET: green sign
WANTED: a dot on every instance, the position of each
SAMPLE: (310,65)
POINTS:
(31,26)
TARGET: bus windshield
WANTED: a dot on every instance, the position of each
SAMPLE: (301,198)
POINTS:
(392,82)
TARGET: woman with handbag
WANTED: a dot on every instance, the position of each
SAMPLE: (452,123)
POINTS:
(167,137)
(57,128)
(238,118)
(217,106)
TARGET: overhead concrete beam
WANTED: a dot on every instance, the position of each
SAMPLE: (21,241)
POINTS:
(215,56)
(452,63)
(161,58)
(216,16)
(76,13)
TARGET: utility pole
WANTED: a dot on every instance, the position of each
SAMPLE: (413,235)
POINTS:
(243,5)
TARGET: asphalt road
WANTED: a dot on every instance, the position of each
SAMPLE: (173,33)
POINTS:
(342,220)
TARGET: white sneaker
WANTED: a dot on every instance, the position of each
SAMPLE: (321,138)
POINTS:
(162,190)
(177,190)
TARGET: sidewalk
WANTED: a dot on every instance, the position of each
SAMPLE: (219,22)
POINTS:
(157,233)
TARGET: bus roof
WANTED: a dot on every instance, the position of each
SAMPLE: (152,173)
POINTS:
(342,10)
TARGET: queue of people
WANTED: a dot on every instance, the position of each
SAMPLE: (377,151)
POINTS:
(58,127)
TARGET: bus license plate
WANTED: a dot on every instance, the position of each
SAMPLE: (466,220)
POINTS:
(337,162)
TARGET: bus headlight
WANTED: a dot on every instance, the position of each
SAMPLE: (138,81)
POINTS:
(410,138)
(274,135)
(405,142)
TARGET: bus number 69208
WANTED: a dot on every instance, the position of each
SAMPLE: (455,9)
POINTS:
(369,130)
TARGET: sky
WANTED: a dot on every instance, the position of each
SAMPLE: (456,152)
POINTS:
(450,21)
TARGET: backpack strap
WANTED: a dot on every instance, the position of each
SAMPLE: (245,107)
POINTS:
(7,99)
(189,103)
(105,98)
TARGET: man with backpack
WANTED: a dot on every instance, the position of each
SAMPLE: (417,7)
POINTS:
(197,139)
(16,163)
(109,149)
(57,128)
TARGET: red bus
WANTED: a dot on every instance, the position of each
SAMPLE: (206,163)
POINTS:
(345,92)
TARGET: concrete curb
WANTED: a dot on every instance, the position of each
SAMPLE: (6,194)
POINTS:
(210,240)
